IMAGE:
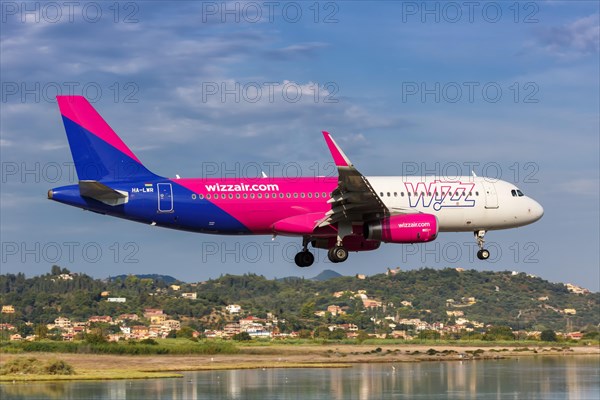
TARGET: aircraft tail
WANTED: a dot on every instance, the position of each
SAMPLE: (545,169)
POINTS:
(98,152)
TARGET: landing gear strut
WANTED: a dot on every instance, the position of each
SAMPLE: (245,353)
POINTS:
(482,254)
(338,253)
(304,258)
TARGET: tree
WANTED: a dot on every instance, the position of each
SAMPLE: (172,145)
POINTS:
(308,310)
(185,332)
(548,335)
(499,333)
(429,334)
(304,334)
(337,334)
(242,336)
(322,332)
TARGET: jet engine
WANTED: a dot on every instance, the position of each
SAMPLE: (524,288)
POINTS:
(406,228)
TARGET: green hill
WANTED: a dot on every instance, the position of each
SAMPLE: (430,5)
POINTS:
(498,298)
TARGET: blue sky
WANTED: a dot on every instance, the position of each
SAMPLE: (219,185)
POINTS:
(512,90)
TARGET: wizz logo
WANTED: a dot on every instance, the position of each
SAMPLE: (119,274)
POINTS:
(438,194)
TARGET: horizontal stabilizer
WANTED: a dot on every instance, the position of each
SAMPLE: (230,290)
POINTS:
(102,193)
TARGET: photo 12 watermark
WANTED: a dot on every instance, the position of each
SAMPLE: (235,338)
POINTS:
(491,171)
(271,252)
(253,12)
(470,92)
(461,252)
(269,92)
(55,12)
(454,12)
(46,92)
(53,252)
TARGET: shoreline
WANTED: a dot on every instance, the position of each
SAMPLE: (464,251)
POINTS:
(109,367)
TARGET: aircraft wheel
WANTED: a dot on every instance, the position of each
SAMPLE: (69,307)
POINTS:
(483,254)
(297,259)
(331,256)
(304,259)
(337,254)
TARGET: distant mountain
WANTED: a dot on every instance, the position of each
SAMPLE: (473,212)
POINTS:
(326,275)
(157,277)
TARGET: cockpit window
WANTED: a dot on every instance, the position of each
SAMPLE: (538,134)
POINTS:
(520,193)
(514,193)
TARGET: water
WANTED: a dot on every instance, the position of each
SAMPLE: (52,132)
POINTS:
(544,378)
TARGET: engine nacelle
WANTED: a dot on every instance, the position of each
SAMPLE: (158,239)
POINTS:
(409,228)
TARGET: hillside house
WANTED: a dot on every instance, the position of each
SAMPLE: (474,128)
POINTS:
(149,312)
(100,318)
(335,310)
(233,308)
(62,322)
(8,309)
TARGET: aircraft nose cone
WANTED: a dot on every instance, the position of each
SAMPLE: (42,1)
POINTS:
(535,211)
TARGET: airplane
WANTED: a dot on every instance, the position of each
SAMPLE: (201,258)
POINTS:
(347,213)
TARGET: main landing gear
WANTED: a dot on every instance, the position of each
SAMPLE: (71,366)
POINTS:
(482,254)
(337,254)
(304,258)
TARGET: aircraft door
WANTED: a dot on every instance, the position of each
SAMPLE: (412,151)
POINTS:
(491,197)
(165,198)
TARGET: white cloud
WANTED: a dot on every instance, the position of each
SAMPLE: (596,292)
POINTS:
(572,40)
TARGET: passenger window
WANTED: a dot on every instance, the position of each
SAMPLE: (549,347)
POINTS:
(295,195)
(259,195)
(281,195)
(245,195)
(251,195)
(395,194)
(408,193)
(429,194)
(324,194)
(316,195)
(476,193)
(388,193)
(401,194)
(302,195)
(230,196)
(266,195)
(309,195)
(223,196)
(237,196)
(201,196)
(208,196)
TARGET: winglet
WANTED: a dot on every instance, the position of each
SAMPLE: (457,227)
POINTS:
(339,158)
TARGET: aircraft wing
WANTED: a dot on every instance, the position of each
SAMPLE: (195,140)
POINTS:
(354,199)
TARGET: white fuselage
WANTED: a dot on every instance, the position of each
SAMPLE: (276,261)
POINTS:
(466,203)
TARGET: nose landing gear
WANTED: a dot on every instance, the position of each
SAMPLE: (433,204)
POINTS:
(482,254)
